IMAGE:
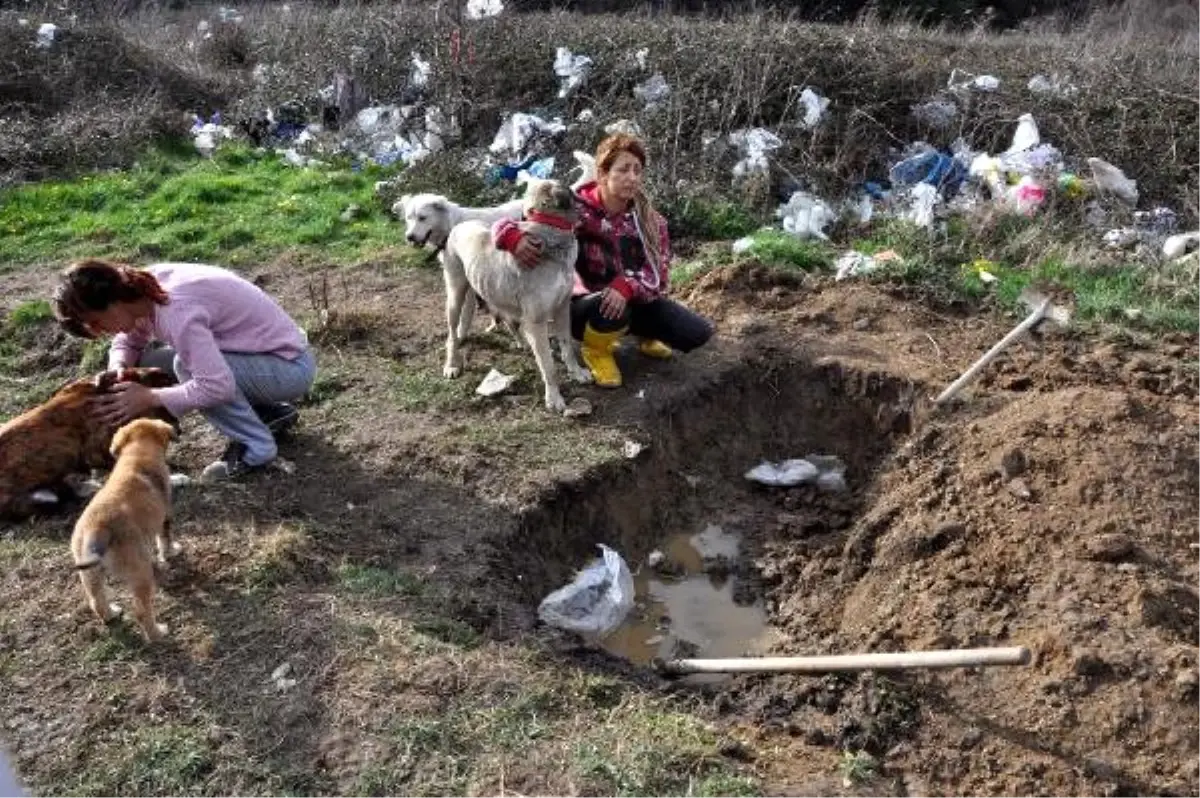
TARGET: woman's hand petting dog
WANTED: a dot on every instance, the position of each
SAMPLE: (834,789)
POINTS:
(612,304)
(528,251)
(124,402)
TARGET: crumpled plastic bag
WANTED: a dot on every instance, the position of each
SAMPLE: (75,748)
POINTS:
(572,70)
(653,91)
(814,108)
(754,144)
(806,216)
(520,130)
(852,264)
(1026,135)
(45,35)
(1111,180)
(480,9)
(827,471)
(922,199)
(597,599)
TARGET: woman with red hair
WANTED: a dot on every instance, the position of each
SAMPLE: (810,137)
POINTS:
(623,270)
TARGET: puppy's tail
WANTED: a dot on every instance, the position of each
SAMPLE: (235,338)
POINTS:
(94,547)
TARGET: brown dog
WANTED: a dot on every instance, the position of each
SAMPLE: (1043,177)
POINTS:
(125,517)
(43,446)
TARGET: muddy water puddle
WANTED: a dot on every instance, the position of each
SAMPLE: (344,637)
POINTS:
(688,604)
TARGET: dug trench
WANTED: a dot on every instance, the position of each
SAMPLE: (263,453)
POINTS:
(688,486)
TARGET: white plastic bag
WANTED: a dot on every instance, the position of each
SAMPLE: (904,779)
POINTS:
(572,70)
(596,601)
(1111,180)
(806,216)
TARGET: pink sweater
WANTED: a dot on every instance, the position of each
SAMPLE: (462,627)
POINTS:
(211,310)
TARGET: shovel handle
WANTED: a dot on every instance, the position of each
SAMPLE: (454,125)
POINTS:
(1029,322)
(901,660)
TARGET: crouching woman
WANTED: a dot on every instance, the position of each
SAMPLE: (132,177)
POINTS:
(240,359)
(622,273)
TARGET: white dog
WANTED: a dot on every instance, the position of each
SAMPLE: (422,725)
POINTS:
(537,299)
(429,218)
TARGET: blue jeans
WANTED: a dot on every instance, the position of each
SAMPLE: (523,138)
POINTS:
(260,379)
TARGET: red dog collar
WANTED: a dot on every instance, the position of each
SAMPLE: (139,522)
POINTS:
(553,221)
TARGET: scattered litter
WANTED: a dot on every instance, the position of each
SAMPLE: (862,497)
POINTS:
(586,164)
(596,601)
(1159,221)
(814,108)
(939,169)
(939,114)
(1026,136)
(180,480)
(631,449)
(520,131)
(86,488)
(627,126)
(578,407)
(351,213)
(655,558)
(922,199)
(572,70)
(641,394)
(586,115)
(229,15)
(44,496)
(806,216)
(888,256)
(986,83)
(1028,196)
(785,474)
(1177,246)
(754,144)
(1121,238)
(1040,84)
(481,9)
(640,57)
(419,72)
(827,471)
(206,135)
(653,91)
(45,35)
(743,244)
(280,677)
(854,264)
(1111,180)
(983,268)
(494,383)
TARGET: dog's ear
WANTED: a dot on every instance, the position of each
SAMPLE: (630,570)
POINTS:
(168,432)
(120,440)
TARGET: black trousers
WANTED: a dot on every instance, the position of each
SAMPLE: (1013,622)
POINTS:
(661,319)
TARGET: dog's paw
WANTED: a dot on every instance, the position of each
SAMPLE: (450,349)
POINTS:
(114,613)
(555,402)
(156,631)
(450,372)
(579,374)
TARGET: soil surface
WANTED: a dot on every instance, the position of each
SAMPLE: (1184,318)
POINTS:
(1054,506)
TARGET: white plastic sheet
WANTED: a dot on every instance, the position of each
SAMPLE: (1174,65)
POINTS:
(596,601)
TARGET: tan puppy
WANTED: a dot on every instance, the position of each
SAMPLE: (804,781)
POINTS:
(125,517)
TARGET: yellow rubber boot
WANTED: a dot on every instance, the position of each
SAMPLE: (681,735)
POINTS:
(656,349)
(597,353)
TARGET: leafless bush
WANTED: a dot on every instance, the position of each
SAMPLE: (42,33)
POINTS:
(1135,103)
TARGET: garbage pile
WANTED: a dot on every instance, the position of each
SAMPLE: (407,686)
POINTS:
(924,185)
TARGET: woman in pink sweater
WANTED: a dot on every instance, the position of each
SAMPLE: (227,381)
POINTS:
(237,354)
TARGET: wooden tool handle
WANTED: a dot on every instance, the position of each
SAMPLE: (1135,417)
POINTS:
(901,660)
(1032,319)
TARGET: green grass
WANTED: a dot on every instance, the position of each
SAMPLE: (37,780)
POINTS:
(151,760)
(238,208)
(378,582)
